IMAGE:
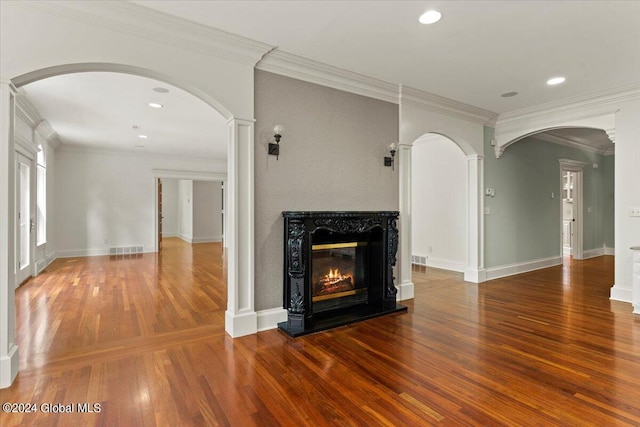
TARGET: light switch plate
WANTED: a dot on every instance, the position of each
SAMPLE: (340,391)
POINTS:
(634,211)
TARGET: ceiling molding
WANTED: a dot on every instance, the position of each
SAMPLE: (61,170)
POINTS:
(45,130)
(568,142)
(91,150)
(308,70)
(575,108)
(26,110)
(157,26)
(191,175)
(438,104)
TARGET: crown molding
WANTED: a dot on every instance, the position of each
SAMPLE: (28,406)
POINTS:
(26,111)
(72,148)
(309,70)
(574,108)
(45,130)
(192,175)
(567,142)
(157,26)
(438,104)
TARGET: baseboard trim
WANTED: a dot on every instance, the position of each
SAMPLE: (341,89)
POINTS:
(239,325)
(522,267)
(475,276)
(78,253)
(212,239)
(9,366)
(609,251)
(621,294)
(405,291)
(446,264)
(269,319)
(184,237)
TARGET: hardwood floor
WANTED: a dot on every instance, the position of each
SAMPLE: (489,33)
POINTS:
(144,337)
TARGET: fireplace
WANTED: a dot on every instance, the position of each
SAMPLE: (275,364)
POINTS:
(338,268)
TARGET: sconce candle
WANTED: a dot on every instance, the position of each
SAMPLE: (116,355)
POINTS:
(274,149)
(389,161)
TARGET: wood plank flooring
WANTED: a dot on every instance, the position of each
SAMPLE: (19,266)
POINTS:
(144,338)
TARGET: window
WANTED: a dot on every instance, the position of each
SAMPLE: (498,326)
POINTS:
(41,197)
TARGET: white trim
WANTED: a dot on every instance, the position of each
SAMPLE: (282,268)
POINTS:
(217,162)
(308,70)
(448,107)
(522,267)
(190,175)
(82,253)
(26,110)
(574,107)
(405,291)
(475,275)
(269,319)
(183,237)
(621,294)
(9,365)
(159,27)
(240,324)
(577,241)
(211,239)
(24,146)
(592,253)
(446,264)
(573,143)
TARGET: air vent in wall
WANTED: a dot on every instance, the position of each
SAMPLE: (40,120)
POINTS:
(126,250)
(419,260)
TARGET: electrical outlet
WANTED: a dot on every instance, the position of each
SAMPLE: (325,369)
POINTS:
(429,249)
(487,210)
(634,211)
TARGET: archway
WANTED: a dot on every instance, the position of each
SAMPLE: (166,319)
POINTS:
(474,221)
(240,317)
(439,204)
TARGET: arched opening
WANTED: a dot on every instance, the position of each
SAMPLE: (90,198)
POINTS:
(473,219)
(556,205)
(439,204)
(234,130)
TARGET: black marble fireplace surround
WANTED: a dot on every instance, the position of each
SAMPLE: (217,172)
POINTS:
(338,269)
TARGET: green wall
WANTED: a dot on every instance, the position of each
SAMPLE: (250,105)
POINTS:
(524,223)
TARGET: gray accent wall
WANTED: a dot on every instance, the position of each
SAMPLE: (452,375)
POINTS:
(331,158)
(524,223)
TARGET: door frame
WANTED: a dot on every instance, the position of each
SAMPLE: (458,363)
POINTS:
(187,175)
(24,156)
(577,167)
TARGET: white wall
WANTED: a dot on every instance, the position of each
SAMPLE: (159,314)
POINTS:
(185,210)
(108,200)
(169,207)
(207,206)
(438,183)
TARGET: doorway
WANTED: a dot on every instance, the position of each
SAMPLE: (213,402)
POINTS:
(24,220)
(571,208)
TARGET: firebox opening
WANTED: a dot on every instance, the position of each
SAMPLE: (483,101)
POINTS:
(338,274)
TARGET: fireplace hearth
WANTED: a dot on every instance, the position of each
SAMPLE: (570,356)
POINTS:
(338,269)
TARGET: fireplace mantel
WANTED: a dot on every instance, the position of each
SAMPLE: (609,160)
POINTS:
(376,231)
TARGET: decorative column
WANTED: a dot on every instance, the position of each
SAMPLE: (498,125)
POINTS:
(240,317)
(405,285)
(475,271)
(9,356)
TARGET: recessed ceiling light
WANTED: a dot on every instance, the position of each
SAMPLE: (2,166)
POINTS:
(143,136)
(555,81)
(430,17)
(155,105)
(509,94)
(161,89)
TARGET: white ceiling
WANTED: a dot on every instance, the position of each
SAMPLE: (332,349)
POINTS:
(479,50)
(98,110)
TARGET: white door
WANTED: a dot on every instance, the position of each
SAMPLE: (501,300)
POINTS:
(23,216)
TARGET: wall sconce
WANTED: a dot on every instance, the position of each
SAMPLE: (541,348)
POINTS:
(388,161)
(274,149)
